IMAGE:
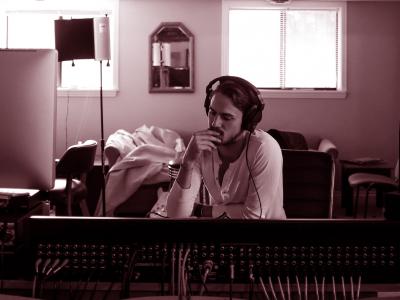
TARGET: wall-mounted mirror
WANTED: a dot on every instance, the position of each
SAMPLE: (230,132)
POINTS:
(171,59)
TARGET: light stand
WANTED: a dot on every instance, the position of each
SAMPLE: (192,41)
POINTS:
(102,145)
(86,39)
(102,52)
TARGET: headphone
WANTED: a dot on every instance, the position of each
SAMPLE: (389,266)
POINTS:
(253,115)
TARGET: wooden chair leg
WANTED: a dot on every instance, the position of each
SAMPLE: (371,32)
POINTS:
(356,201)
(68,191)
(366,202)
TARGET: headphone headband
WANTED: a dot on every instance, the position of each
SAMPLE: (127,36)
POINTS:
(253,115)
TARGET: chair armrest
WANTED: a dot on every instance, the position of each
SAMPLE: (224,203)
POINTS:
(327,146)
(112,154)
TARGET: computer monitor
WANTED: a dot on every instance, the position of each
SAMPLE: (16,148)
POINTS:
(28,85)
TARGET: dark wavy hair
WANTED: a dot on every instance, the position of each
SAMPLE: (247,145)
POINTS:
(237,93)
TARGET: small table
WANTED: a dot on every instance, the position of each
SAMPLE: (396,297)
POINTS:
(349,168)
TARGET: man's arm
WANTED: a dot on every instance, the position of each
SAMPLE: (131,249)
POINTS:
(183,193)
(186,186)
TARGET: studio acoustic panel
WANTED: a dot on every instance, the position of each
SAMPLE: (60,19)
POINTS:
(82,39)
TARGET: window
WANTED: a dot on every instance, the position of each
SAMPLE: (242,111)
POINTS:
(286,50)
(30,24)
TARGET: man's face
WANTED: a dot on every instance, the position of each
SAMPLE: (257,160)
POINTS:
(224,117)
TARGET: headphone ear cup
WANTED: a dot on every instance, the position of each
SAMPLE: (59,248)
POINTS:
(252,117)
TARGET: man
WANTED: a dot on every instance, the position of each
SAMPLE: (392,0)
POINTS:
(230,168)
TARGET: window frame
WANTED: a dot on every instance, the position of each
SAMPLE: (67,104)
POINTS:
(339,93)
(114,61)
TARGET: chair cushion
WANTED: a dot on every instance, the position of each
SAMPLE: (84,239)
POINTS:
(369,178)
(79,190)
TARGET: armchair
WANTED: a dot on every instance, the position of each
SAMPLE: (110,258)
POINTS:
(297,141)
(308,175)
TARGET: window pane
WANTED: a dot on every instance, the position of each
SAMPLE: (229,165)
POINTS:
(30,30)
(284,47)
(86,74)
(254,46)
(311,49)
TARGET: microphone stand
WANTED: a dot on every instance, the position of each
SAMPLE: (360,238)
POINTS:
(103,169)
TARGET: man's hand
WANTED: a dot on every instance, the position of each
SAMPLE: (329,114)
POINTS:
(205,140)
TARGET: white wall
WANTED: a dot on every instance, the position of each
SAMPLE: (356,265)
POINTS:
(364,124)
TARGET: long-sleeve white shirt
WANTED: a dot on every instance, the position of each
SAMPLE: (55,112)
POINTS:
(237,195)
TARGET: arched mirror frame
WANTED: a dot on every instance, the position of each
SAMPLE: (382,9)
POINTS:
(164,75)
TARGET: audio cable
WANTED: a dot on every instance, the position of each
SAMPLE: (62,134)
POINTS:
(305,287)
(52,266)
(75,292)
(298,286)
(316,287)
(358,287)
(179,282)
(252,178)
(184,271)
(41,276)
(351,287)
(163,266)
(272,287)
(333,287)
(48,268)
(127,275)
(263,288)
(288,287)
(84,288)
(173,270)
(110,287)
(251,281)
(92,294)
(281,288)
(343,288)
(46,263)
(208,264)
(231,279)
(61,266)
(35,278)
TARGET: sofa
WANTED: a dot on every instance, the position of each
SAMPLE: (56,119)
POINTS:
(308,179)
